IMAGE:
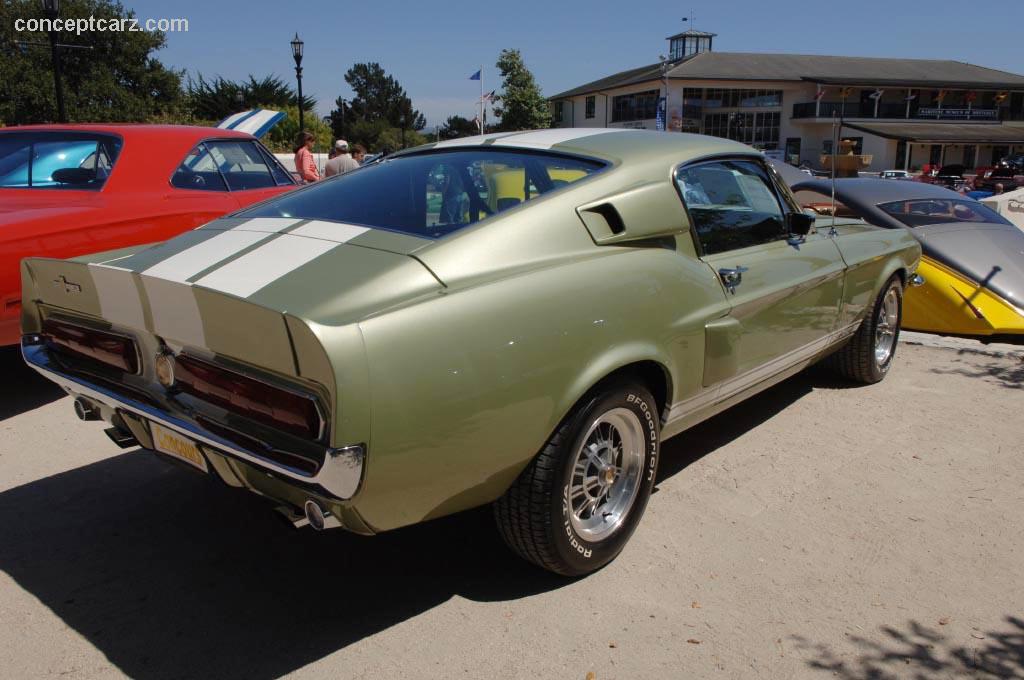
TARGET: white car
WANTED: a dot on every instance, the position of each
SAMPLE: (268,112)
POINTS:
(895,174)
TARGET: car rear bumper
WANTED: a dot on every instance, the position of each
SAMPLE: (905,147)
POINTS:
(338,478)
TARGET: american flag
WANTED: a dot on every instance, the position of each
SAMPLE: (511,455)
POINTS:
(489,97)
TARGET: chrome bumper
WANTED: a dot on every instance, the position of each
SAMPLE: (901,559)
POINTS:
(338,478)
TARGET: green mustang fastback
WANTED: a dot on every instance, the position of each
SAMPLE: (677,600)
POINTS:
(516,319)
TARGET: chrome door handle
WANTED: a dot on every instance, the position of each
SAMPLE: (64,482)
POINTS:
(732,277)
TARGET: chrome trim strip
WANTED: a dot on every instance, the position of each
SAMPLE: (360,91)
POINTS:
(737,384)
(339,477)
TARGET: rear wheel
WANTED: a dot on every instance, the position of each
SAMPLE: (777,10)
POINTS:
(867,357)
(576,505)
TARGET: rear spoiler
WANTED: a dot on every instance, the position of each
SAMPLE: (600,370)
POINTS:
(256,122)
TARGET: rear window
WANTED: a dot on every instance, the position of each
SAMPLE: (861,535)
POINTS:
(57,160)
(924,211)
(431,194)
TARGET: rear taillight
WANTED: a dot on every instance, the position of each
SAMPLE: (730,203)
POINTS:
(278,408)
(107,348)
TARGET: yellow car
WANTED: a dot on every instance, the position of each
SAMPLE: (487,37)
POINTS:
(973,258)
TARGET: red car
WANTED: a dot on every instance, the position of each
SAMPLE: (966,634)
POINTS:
(68,190)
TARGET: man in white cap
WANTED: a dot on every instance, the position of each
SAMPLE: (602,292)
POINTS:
(342,161)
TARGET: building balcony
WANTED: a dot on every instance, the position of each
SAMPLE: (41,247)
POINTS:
(897,111)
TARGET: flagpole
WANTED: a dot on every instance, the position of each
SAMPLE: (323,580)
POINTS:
(481,105)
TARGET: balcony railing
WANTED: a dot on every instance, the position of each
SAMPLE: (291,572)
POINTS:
(892,110)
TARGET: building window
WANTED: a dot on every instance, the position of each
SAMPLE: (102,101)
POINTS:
(556,113)
(591,106)
(760,129)
(746,99)
(636,106)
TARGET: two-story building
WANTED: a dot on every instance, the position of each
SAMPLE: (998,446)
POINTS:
(903,112)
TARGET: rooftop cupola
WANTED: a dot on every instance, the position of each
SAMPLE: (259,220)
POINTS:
(688,43)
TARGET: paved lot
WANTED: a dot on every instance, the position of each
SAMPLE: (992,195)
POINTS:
(819,531)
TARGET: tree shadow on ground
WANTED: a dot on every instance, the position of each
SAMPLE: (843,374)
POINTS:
(922,653)
(169,574)
(21,388)
(1007,373)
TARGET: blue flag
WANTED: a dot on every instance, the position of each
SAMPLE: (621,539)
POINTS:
(475,76)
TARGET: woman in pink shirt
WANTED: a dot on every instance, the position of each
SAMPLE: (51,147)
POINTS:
(304,164)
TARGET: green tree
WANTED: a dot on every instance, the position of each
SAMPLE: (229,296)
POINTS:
(216,99)
(119,79)
(457,126)
(522,107)
(378,96)
(282,136)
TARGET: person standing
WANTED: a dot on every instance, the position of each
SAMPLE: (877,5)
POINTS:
(342,161)
(358,153)
(304,164)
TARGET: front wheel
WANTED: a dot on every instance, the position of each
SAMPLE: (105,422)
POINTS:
(575,506)
(867,357)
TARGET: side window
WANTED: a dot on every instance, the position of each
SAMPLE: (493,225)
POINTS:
(281,176)
(198,171)
(242,165)
(732,205)
(56,160)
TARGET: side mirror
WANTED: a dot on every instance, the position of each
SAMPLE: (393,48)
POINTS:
(799,224)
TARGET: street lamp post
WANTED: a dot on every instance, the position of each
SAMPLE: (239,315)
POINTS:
(342,100)
(297,46)
(52,9)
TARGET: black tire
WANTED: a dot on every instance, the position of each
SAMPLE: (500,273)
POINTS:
(857,359)
(535,516)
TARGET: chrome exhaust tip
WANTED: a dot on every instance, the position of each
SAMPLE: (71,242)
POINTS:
(85,410)
(319,518)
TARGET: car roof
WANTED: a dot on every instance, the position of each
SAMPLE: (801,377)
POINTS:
(612,144)
(139,131)
(866,190)
(150,154)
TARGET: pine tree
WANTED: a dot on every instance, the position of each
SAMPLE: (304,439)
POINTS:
(522,105)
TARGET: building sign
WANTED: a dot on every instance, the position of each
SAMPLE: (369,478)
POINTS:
(659,120)
(958,114)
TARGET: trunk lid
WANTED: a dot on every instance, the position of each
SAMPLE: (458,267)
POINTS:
(229,286)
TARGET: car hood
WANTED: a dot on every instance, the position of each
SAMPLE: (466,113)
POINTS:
(991,254)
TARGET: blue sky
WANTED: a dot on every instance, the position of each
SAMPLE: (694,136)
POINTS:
(432,48)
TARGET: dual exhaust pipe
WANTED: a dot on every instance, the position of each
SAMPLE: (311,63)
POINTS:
(313,513)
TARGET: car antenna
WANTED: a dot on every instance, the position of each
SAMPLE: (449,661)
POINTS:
(835,143)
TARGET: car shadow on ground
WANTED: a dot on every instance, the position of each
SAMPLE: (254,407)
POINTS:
(919,651)
(22,388)
(169,574)
(682,451)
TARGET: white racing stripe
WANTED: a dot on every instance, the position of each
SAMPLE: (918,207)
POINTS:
(268,225)
(264,265)
(191,261)
(545,139)
(330,231)
(175,311)
(119,298)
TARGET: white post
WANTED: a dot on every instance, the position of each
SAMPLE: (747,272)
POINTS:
(480,103)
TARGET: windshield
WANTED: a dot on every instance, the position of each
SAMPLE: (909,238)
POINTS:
(56,160)
(431,194)
(919,212)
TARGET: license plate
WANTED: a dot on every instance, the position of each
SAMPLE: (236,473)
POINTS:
(173,444)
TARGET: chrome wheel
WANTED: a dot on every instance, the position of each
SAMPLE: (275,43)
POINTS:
(606,474)
(886,327)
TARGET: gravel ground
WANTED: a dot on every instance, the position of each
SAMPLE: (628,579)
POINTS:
(820,530)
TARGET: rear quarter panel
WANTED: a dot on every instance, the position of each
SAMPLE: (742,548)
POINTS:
(872,255)
(466,388)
